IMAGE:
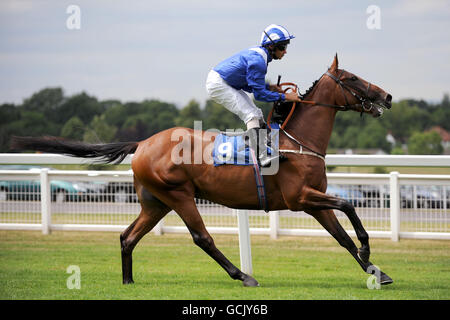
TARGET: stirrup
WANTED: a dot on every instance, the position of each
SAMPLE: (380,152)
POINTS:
(266,160)
(260,147)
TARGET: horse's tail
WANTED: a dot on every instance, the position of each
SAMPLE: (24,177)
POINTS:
(105,152)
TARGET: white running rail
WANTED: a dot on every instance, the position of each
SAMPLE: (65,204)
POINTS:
(390,205)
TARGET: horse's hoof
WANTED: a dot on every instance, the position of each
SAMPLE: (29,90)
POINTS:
(128,281)
(382,278)
(250,282)
(385,279)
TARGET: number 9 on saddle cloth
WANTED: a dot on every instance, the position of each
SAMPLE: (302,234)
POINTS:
(233,148)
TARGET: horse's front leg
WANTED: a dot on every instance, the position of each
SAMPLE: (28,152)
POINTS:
(328,220)
(320,205)
(315,200)
(186,208)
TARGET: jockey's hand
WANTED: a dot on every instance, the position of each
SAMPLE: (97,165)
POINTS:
(292,96)
(275,88)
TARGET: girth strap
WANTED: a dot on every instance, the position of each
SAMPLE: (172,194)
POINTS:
(260,188)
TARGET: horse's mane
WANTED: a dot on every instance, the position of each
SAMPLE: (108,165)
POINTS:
(302,96)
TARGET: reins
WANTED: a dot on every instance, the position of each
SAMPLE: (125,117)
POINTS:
(292,87)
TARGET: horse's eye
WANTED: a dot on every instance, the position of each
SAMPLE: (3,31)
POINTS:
(354,78)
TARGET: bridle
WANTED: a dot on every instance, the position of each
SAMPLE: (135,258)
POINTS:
(363,102)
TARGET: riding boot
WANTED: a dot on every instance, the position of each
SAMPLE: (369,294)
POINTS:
(261,145)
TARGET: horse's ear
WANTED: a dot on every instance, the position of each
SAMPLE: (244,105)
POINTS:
(335,63)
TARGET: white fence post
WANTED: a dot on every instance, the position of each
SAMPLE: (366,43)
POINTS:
(245,249)
(46,214)
(274,222)
(444,196)
(395,206)
(158,228)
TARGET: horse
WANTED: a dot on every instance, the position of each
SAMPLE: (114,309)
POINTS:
(300,183)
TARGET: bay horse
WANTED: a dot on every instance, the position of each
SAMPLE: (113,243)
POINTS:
(299,185)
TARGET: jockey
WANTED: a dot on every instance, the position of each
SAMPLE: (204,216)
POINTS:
(228,82)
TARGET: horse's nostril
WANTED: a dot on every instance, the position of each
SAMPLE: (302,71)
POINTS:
(388,98)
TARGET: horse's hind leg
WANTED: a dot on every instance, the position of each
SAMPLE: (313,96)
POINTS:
(328,220)
(189,213)
(152,211)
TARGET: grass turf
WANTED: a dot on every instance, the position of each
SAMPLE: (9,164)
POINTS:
(33,266)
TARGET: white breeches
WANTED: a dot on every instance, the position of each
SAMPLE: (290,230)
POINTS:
(236,101)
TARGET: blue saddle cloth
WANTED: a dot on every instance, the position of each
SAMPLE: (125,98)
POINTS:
(233,149)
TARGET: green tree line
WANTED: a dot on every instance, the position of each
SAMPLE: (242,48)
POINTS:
(83,117)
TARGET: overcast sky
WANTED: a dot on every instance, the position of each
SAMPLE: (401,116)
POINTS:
(136,50)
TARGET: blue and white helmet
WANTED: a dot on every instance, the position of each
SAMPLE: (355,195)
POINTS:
(274,34)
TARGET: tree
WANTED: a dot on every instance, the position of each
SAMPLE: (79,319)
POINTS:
(373,136)
(335,140)
(163,115)
(73,129)
(81,105)
(403,119)
(137,132)
(346,120)
(107,104)
(99,131)
(49,112)
(264,106)
(397,151)
(441,115)
(46,101)
(116,115)
(14,121)
(425,143)
(135,128)
(446,101)
(217,117)
(33,123)
(164,120)
(189,114)
(349,138)
(154,115)
(8,113)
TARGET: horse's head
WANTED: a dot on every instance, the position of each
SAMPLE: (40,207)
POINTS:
(358,94)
